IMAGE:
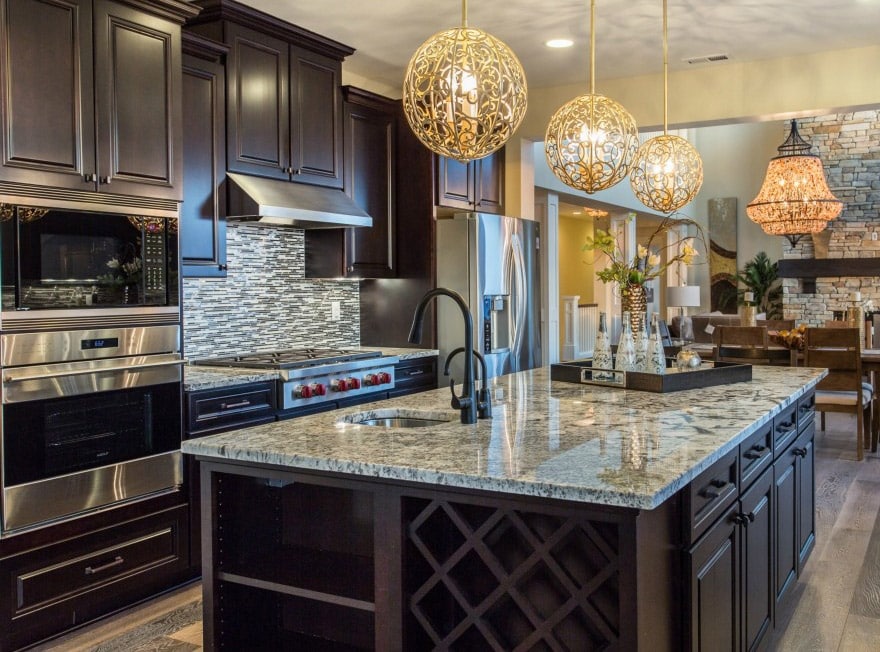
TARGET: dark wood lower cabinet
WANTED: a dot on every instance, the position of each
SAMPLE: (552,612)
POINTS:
(69,574)
(319,561)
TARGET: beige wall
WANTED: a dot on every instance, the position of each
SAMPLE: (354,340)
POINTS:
(575,265)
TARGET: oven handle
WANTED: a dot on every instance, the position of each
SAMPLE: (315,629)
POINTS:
(85,372)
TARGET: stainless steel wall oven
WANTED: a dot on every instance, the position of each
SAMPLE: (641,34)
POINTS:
(89,418)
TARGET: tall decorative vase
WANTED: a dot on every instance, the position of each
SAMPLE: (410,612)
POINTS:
(634,299)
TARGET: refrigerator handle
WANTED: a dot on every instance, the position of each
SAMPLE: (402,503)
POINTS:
(517,293)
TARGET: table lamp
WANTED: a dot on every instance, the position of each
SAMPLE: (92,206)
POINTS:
(682,296)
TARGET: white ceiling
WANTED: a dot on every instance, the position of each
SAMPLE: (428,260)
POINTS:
(629,32)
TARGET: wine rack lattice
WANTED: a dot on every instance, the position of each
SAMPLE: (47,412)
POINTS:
(494,578)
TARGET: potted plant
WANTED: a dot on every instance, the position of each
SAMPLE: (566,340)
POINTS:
(760,276)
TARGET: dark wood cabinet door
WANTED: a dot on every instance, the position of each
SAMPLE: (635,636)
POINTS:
(756,508)
(202,214)
(713,567)
(370,181)
(806,496)
(47,105)
(258,104)
(315,118)
(489,183)
(454,183)
(785,508)
(137,81)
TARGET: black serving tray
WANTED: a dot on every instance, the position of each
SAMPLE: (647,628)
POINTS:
(709,374)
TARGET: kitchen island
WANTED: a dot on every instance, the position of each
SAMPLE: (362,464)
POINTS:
(578,517)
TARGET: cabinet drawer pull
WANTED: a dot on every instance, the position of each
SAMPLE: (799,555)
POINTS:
(717,487)
(415,372)
(756,452)
(117,561)
(231,406)
(785,426)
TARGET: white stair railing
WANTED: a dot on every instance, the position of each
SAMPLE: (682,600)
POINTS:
(581,322)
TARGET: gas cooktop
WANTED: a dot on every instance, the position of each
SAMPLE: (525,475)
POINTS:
(290,358)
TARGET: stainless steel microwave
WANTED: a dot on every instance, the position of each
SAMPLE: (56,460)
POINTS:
(67,260)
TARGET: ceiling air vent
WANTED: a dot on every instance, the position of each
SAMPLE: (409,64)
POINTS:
(709,58)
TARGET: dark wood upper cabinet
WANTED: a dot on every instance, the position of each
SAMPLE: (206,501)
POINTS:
(202,214)
(474,186)
(370,136)
(91,94)
(284,100)
(315,118)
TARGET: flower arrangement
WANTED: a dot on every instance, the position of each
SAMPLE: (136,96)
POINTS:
(648,262)
(792,339)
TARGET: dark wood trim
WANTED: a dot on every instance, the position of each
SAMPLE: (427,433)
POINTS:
(176,10)
(204,48)
(238,13)
(812,268)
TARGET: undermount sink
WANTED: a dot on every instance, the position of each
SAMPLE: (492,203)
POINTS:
(398,418)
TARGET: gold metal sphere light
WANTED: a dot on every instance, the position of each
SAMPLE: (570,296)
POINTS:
(591,141)
(668,171)
(667,174)
(464,92)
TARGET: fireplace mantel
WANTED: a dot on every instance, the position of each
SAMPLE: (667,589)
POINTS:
(812,268)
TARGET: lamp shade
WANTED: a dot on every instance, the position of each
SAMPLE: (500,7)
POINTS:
(683,296)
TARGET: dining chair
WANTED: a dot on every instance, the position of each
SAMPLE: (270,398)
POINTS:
(748,344)
(776,324)
(842,390)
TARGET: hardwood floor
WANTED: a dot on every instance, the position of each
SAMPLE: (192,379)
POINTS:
(835,606)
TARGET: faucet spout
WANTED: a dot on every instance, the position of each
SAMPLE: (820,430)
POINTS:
(484,397)
(466,402)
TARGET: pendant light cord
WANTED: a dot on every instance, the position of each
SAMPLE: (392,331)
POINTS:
(592,47)
(464,13)
(665,72)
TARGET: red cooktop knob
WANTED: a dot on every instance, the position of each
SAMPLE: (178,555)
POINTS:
(384,377)
(354,383)
(338,385)
(319,389)
(371,379)
(302,391)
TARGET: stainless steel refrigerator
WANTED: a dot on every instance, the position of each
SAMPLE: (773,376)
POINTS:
(493,262)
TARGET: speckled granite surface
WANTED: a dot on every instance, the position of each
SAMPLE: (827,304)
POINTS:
(197,378)
(576,442)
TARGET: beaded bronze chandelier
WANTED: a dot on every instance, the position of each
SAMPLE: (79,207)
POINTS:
(464,92)
(794,199)
(591,141)
(668,171)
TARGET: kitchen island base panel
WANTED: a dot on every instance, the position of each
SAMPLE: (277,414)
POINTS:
(474,571)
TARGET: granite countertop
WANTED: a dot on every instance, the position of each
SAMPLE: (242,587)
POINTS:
(551,439)
(197,377)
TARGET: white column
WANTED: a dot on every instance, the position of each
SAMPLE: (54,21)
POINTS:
(548,215)
(570,337)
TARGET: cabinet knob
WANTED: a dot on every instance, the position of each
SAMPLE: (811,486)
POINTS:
(106,180)
(222,267)
(90,178)
(800,452)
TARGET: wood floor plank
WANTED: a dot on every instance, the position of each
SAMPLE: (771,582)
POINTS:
(860,635)
(866,597)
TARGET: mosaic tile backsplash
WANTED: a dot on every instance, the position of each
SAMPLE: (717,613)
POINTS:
(265,302)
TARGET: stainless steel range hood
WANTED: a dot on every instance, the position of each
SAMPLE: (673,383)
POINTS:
(283,203)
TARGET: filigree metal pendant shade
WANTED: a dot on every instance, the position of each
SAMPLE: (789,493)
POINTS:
(464,93)
(667,174)
(591,141)
(668,171)
(794,198)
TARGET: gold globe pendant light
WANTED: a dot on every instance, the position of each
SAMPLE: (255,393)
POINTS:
(794,199)
(591,141)
(464,92)
(668,171)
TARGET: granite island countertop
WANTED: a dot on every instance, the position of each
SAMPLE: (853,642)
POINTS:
(197,377)
(550,439)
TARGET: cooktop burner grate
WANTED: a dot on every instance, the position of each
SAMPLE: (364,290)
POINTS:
(290,358)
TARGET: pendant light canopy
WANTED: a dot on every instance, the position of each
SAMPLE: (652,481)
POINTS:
(464,92)
(668,171)
(794,199)
(591,141)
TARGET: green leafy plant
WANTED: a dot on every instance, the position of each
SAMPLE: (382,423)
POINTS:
(760,276)
(647,263)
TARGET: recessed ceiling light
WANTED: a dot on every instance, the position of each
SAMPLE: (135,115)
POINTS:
(559,43)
